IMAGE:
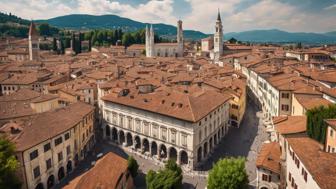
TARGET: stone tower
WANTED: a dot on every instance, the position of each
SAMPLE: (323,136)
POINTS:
(34,46)
(179,38)
(149,41)
(218,37)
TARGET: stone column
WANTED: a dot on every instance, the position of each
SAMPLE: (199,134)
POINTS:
(168,152)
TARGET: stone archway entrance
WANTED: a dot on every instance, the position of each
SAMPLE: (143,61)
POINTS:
(145,145)
(154,148)
(172,154)
(114,134)
(183,157)
(210,144)
(199,154)
(50,181)
(39,186)
(121,137)
(69,166)
(129,139)
(61,173)
(137,142)
(205,149)
(107,131)
(163,151)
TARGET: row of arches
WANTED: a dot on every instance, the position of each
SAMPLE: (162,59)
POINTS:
(203,150)
(51,181)
(152,148)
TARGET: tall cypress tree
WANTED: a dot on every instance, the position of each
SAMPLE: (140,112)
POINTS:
(80,38)
(73,41)
(90,45)
(54,45)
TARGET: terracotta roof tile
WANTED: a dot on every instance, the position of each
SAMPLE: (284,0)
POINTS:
(269,157)
(290,124)
(321,165)
(103,175)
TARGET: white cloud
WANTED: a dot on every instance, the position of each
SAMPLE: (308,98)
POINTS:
(270,14)
(261,15)
(152,11)
(331,7)
(204,13)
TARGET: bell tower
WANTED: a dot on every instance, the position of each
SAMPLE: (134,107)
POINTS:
(179,38)
(34,45)
(218,37)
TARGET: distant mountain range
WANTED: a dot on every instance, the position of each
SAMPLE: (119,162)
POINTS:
(87,22)
(278,36)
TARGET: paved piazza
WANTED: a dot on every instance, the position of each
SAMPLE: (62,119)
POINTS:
(244,141)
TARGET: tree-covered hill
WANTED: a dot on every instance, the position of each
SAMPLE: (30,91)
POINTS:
(86,22)
(10,18)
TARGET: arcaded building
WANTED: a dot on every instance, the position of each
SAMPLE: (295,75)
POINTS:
(166,124)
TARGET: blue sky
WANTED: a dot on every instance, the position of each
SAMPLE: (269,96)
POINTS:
(237,15)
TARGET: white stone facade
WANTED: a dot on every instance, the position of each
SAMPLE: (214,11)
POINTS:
(294,177)
(164,49)
(165,137)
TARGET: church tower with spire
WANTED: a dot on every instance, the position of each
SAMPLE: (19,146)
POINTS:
(34,45)
(218,36)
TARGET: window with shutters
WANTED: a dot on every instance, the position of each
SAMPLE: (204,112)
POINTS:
(164,134)
(48,164)
(121,120)
(146,127)
(58,141)
(33,154)
(46,147)
(68,150)
(289,177)
(114,118)
(184,140)
(36,172)
(60,156)
(173,136)
(129,123)
(155,130)
(264,177)
(66,136)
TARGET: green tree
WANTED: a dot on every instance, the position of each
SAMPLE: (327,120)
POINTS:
(233,40)
(168,178)
(54,45)
(8,165)
(80,39)
(228,173)
(132,166)
(127,39)
(299,45)
(47,30)
(62,50)
(316,126)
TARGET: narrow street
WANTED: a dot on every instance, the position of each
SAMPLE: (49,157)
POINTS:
(244,141)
